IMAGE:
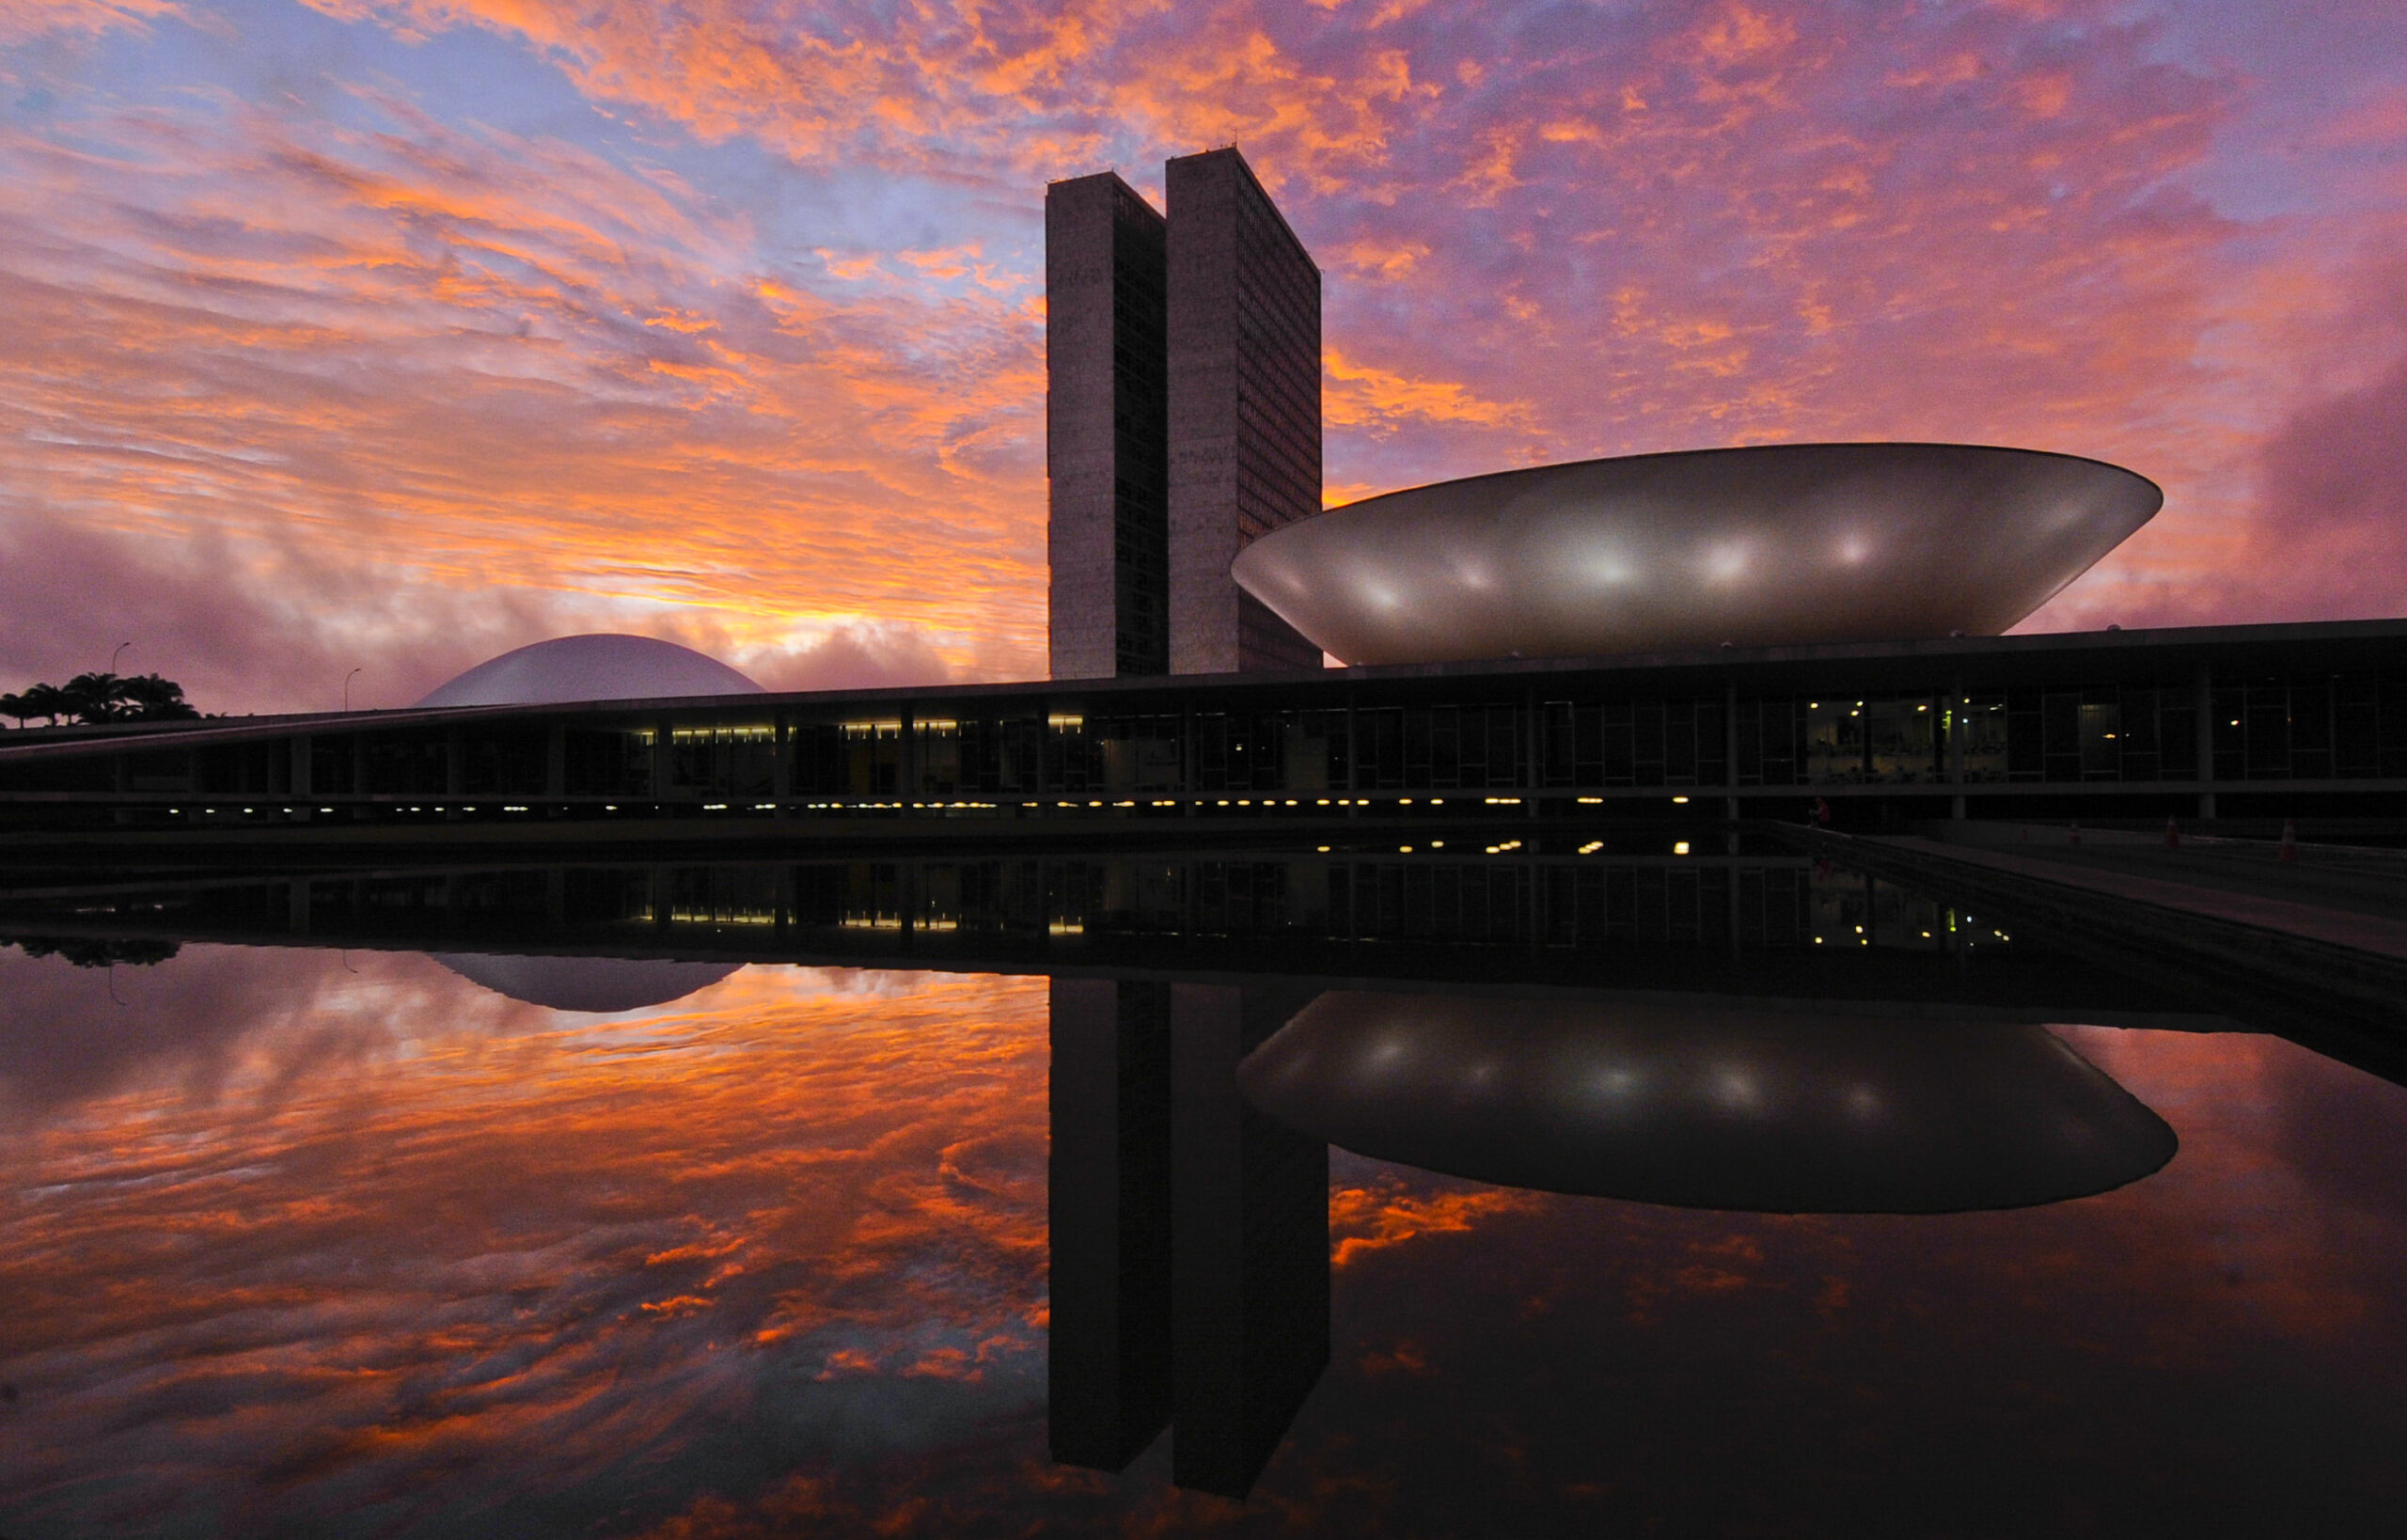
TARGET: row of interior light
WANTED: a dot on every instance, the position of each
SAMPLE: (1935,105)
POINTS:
(1158,802)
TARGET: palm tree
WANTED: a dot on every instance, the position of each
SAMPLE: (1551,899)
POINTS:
(13,704)
(148,698)
(92,697)
(47,702)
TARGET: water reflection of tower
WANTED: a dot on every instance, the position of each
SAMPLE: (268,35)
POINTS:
(1189,1234)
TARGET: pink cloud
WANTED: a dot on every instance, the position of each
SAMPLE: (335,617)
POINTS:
(21,19)
(479,383)
(565,1262)
(392,395)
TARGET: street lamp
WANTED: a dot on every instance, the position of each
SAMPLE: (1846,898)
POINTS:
(110,669)
(346,689)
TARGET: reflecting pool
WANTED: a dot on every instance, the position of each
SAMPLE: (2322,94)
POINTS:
(825,1200)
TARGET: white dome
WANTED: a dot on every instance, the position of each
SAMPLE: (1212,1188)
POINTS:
(591,668)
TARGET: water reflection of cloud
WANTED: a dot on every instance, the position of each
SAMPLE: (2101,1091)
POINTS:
(456,1268)
(771,1262)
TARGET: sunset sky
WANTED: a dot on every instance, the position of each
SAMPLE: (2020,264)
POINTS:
(391,334)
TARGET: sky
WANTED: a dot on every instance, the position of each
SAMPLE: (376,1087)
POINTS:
(389,335)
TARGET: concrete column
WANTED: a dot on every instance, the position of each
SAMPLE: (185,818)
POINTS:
(301,766)
(1242,324)
(556,761)
(1107,433)
(1730,750)
(781,772)
(2206,741)
(1956,731)
(1532,752)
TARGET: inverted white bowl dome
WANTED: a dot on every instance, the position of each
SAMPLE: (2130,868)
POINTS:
(597,985)
(1709,1102)
(1774,545)
(600,666)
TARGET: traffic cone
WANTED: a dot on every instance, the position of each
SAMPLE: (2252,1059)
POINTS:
(2172,835)
(2289,841)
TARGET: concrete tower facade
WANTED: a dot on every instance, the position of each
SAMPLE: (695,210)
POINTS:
(1106,440)
(1244,410)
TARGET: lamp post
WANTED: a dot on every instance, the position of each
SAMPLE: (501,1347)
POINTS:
(346,689)
(106,705)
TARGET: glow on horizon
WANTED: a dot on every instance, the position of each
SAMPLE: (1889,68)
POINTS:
(393,334)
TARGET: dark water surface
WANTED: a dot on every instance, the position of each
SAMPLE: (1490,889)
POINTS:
(1735,1199)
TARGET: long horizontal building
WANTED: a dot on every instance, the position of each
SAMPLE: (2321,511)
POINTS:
(2239,722)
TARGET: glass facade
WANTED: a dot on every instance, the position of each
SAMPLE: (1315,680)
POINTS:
(1554,741)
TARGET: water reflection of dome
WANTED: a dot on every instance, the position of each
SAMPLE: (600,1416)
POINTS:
(597,984)
(1707,1105)
(591,668)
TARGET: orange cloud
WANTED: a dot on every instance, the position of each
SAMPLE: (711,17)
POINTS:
(568,1234)
(22,19)
(470,383)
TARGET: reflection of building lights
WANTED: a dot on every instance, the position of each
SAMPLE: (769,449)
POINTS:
(1733,1088)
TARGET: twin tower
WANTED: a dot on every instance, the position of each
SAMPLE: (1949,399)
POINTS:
(1182,413)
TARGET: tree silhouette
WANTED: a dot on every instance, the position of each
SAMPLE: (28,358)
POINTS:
(82,952)
(100,697)
(148,698)
(45,700)
(91,697)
